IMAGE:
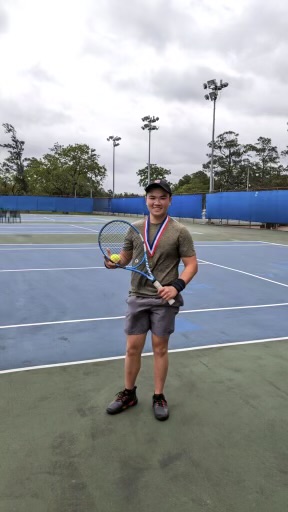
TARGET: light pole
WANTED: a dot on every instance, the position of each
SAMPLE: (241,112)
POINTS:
(213,95)
(248,178)
(115,142)
(149,125)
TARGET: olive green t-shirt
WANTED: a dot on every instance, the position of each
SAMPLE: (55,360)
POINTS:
(175,243)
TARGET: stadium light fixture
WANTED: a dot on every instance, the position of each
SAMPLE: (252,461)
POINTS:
(115,142)
(211,83)
(213,95)
(149,124)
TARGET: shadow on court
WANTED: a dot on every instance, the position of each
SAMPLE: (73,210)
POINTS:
(224,447)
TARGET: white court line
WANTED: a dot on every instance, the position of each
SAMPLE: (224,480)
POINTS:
(30,222)
(82,227)
(52,248)
(46,232)
(204,243)
(234,240)
(246,273)
(45,269)
(38,247)
(145,354)
(256,244)
(59,268)
(71,246)
(272,243)
(99,319)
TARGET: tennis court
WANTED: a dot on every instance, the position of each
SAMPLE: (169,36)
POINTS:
(62,347)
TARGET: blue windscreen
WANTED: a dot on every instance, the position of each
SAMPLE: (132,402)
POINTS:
(263,206)
(186,206)
(46,204)
(189,206)
(132,205)
(102,204)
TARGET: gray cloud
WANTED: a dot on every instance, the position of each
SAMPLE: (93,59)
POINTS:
(256,41)
(130,52)
(24,114)
(154,23)
(185,86)
(3,20)
(173,85)
(38,73)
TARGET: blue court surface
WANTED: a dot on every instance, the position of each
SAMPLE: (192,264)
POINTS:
(62,306)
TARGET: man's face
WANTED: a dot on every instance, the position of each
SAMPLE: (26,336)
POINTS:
(158,201)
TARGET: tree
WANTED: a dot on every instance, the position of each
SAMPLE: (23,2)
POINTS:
(192,183)
(284,155)
(156,173)
(73,170)
(13,169)
(127,194)
(228,161)
(266,162)
(6,181)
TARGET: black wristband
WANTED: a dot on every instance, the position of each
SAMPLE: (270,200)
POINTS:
(179,284)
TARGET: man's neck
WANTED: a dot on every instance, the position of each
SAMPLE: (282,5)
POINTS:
(157,220)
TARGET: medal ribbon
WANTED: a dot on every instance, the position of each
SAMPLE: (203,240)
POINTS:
(152,248)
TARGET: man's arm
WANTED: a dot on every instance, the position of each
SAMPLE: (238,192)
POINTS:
(190,268)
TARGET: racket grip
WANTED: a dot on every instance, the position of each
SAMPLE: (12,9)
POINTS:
(158,286)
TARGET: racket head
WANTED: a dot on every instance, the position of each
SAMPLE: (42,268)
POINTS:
(119,236)
(116,236)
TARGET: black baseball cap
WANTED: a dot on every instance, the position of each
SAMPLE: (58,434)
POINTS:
(159,183)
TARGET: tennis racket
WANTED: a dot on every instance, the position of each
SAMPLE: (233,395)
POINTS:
(116,236)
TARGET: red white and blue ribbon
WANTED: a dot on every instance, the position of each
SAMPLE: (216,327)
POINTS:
(152,248)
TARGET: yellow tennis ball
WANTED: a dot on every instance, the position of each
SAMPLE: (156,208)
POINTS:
(115,258)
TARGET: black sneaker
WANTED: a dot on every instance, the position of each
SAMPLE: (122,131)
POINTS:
(123,400)
(160,407)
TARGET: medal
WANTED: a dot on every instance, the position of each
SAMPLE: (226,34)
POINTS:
(152,248)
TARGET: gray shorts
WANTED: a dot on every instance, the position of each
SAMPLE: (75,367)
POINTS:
(151,313)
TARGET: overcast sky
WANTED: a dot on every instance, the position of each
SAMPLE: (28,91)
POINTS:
(79,71)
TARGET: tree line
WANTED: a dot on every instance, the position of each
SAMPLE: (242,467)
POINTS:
(75,170)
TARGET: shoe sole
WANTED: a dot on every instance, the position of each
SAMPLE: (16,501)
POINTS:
(161,418)
(124,408)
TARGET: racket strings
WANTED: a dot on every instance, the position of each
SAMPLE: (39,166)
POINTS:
(119,236)
(113,237)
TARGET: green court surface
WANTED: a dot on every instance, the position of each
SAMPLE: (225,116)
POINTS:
(223,449)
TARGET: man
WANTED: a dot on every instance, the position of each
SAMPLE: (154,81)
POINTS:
(167,242)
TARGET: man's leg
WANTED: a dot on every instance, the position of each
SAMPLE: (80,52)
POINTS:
(128,398)
(160,350)
(134,347)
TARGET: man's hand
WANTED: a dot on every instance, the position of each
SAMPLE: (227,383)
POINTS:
(108,263)
(167,292)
